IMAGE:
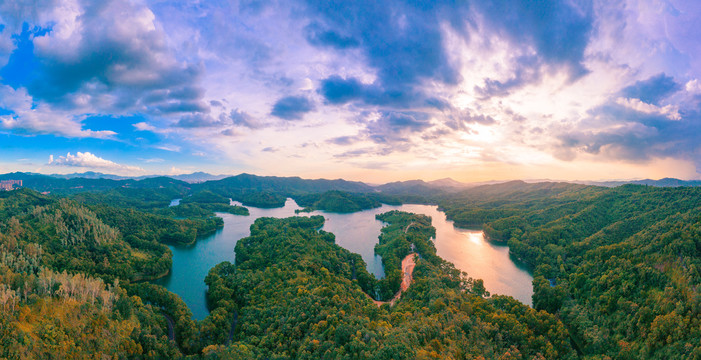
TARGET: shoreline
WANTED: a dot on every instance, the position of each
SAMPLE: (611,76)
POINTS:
(408,265)
(142,277)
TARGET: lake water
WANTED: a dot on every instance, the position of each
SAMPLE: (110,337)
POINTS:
(358,232)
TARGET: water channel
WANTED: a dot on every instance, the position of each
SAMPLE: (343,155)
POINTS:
(358,232)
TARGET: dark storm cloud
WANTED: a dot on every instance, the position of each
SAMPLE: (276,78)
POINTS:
(292,107)
(653,89)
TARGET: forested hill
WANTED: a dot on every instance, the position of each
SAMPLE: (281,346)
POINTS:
(61,266)
(67,290)
(61,186)
(617,274)
(243,183)
(666,182)
(294,295)
(246,183)
(620,266)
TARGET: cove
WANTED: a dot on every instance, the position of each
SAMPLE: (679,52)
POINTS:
(358,232)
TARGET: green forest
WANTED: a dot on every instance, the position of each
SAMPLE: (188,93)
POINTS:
(294,294)
(621,267)
(616,273)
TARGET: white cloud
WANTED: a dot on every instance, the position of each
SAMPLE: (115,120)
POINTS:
(693,86)
(176,171)
(151,160)
(142,126)
(42,118)
(671,112)
(91,161)
(173,148)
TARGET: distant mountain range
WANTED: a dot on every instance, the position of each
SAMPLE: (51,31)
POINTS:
(666,182)
(246,182)
(195,177)
(198,177)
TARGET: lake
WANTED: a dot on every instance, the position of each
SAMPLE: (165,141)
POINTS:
(358,232)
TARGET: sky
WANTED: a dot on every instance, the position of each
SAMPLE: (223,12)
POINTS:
(365,90)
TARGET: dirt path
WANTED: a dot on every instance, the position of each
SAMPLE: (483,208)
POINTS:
(233,326)
(171,326)
(408,264)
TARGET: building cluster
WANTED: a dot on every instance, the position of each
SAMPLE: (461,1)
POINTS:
(8,185)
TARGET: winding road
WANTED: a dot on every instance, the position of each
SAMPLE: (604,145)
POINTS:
(233,326)
(408,264)
(171,326)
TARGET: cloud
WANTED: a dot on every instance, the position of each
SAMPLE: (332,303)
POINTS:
(669,111)
(110,56)
(343,140)
(91,161)
(143,126)
(317,35)
(172,148)
(230,132)
(243,119)
(197,120)
(526,71)
(27,118)
(636,133)
(652,90)
(152,160)
(403,42)
(406,43)
(461,119)
(559,31)
(176,171)
(338,90)
(389,127)
(693,86)
(292,107)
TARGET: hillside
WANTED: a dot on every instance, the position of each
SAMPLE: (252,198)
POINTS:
(620,266)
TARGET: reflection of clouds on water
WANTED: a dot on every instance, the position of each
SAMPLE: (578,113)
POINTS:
(476,238)
(480,259)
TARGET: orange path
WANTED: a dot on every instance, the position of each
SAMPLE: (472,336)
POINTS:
(408,264)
